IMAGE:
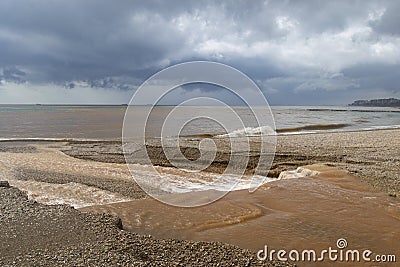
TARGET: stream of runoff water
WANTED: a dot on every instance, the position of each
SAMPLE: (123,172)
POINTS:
(298,213)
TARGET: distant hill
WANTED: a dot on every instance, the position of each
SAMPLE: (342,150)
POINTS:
(387,102)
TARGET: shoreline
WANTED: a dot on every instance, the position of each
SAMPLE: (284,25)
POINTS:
(292,151)
(372,156)
(119,140)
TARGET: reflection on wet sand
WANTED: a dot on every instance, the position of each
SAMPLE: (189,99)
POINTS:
(305,213)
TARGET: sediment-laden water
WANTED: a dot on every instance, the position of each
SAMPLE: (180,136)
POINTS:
(105,122)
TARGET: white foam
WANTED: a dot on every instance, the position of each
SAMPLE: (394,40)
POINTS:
(73,194)
(174,180)
(299,132)
(382,127)
(250,131)
(298,173)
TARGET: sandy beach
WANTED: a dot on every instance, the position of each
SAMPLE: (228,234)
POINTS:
(34,233)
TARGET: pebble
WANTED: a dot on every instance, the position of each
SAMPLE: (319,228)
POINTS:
(4,184)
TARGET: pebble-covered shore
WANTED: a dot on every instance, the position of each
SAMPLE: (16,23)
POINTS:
(34,234)
(371,155)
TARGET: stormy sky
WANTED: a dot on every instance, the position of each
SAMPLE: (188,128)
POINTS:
(298,52)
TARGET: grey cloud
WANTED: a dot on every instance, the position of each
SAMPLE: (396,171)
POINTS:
(389,22)
(382,77)
(78,40)
(294,48)
(12,74)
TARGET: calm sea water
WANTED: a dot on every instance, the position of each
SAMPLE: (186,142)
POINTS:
(105,122)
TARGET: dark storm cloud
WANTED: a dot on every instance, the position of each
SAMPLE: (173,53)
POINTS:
(377,76)
(12,74)
(389,23)
(301,50)
(81,39)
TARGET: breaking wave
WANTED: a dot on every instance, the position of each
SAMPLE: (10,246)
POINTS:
(250,131)
(266,130)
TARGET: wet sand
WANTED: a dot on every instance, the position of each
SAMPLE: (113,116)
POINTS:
(372,156)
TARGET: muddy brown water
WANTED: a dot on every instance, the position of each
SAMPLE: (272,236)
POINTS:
(305,213)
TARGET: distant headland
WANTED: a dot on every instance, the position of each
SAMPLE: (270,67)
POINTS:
(387,102)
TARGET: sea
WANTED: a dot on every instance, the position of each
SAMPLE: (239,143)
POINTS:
(106,122)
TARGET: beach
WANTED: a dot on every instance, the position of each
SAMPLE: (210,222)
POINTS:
(371,155)
(97,168)
(200,133)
